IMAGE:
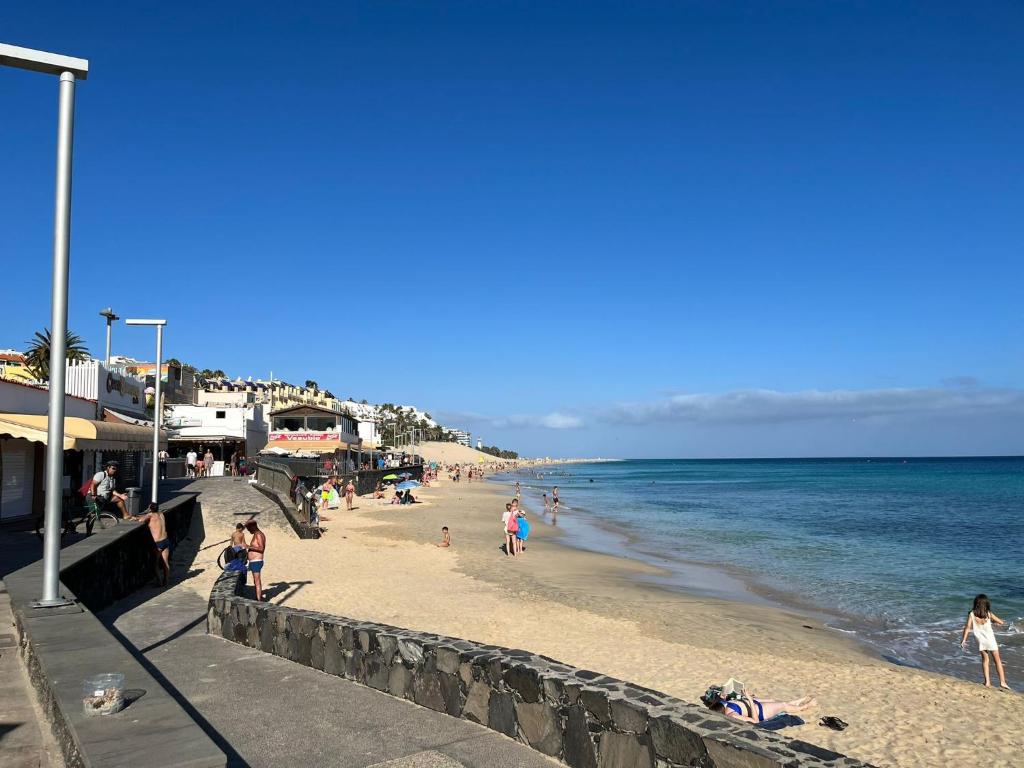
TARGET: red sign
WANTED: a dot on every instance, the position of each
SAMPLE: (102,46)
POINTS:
(304,436)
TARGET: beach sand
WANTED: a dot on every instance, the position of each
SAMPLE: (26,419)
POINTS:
(379,563)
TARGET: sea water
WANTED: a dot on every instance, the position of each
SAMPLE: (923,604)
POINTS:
(891,550)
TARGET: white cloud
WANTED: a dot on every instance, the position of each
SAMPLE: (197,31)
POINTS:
(769,406)
(553,420)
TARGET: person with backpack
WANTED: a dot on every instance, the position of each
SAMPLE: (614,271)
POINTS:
(103,489)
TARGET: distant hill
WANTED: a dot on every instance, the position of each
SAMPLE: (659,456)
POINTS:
(451,453)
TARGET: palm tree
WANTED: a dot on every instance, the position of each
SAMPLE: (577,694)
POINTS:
(37,356)
(310,384)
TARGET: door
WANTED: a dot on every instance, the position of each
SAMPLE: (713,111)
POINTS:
(16,468)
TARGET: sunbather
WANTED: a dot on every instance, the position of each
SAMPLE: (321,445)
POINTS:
(751,709)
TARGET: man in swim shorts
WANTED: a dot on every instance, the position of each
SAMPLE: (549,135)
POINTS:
(158,530)
(257,547)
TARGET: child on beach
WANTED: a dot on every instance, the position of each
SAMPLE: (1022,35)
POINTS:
(446,540)
(510,526)
(979,621)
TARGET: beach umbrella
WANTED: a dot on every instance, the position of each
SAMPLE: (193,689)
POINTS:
(408,485)
(390,477)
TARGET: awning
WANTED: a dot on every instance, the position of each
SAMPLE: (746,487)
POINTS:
(315,446)
(207,439)
(81,434)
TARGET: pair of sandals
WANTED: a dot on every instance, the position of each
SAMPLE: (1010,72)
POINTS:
(834,723)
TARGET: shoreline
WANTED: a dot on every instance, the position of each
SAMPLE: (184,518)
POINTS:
(686,576)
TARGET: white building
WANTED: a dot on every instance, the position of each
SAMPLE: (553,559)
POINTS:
(224,430)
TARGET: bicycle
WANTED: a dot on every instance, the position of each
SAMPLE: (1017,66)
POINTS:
(92,516)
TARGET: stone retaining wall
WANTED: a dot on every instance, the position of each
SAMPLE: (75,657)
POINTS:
(583,718)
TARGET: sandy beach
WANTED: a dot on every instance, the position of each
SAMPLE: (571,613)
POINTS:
(584,608)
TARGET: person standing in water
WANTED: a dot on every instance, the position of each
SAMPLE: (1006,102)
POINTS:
(547,504)
(517,489)
(979,621)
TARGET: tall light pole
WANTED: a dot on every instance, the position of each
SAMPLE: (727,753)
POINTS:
(68,69)
(111,317)
(157,411)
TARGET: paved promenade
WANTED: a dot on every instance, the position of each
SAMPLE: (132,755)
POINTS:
(266,711)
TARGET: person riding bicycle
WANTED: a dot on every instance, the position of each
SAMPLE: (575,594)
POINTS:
(103,489)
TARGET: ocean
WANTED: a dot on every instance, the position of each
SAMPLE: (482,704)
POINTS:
(892,551)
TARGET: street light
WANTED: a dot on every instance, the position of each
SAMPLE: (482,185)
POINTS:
(156,401)
(68,69)
(111,317)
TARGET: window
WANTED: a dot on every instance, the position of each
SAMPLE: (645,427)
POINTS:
(288,423)
(221,414)
(321,423)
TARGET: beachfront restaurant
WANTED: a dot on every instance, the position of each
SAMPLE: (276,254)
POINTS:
(310,429)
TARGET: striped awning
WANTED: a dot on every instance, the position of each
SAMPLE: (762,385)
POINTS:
(80,434)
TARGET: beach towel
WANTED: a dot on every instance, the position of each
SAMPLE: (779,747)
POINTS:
(524,529)
(779,722)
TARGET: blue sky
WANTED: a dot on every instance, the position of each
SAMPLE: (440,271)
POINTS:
(629,229)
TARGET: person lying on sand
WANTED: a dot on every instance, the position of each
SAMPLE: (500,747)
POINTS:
(751,709)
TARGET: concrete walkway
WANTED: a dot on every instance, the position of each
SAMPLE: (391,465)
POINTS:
(265,711)
(25,740)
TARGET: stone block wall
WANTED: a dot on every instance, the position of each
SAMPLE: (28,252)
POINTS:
(123,559)
(584,718)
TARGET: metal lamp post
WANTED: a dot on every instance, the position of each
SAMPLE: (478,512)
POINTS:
(111,317)
(157,412)
(68,69)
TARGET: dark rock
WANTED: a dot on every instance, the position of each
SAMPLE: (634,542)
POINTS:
(451,692)
(348,639)
(810,749)
(448,659)
(539,725)
(426,691)
(623,750)
(477,703)
(388,647)
(354,665)
(571,691)
(367,640)
(595,701)
(578,747)
(410,651)
(501,713)
(400,681)
(375,672)
(627,715)
(553,688)
(334,662)
(674,741)
(316,652)
(525,681)
(298,647)
(729,752)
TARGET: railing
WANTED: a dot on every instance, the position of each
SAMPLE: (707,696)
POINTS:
(279,477)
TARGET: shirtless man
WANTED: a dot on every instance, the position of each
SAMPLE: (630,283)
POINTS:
(257,546)
(158,530)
